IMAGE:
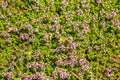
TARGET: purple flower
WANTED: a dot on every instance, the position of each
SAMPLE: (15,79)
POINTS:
(57,35)
(21,59)
(40,75)
(27,25)
(11,67)
(24,36)
(80,74)
(116,22)
(77,29)
(72,61)
(113,13)
(86,27)
(74,45)
(54,74)
(108,69)
(42,65)
(8,22)
(15,30)
(9,75)
(80,36)
(13,57)
(95,17)
(64,4)
(86,67)
(4,33)
(82,61)
(59,62)
(56,19)
(25,77)
(79,12)
(69,39)
(63,48)
(105,51)
(35,65)
(102,23)
(108,16)
(63,74)
(56,50)
(108,74)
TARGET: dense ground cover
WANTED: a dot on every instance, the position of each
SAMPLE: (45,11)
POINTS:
(60,40)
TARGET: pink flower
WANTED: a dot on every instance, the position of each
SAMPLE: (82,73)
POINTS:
(8,22)
(108,16)
(69,39)
(56,19)
(80,36)
(28,65)
(64,4)
(63,48)
(9,75)
(35,65)
(4,4)
(98,1)
(76,28)
(108,74)
(113,14)
(52,1)
(15,30)
(4,33)
(11,67)
(80,74)
(24,36)
(81,61)
(86,27)
(37,1)
(102,23)
(74,45)
(116,22)
(13,57)
(95,17)
(105,51)
(84,1)
(27,25)
(9,40)
(63,74)
(79,12)
(108,69)
(72,61)
(86,67)
(55,50)
(31,39)
(57,35)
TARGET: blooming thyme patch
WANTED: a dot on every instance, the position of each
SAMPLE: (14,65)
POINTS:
(59,40)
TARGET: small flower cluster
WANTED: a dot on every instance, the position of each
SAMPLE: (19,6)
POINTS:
(37,65)
(9,75)
(62,73)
